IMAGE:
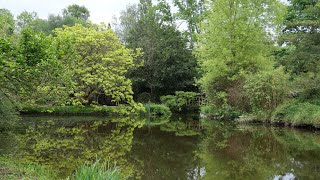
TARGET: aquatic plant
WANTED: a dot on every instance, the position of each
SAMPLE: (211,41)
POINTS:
(97,171)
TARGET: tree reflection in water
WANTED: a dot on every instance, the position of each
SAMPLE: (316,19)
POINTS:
(64,144)
(168,149)
(230,151)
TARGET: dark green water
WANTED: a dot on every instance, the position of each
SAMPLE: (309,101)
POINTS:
(180,148)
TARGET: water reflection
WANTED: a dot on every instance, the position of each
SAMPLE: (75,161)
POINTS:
(257,152)
(64,144)
(179,148)
(183,126)
(163,155)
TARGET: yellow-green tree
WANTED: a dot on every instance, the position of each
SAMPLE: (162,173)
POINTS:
(98,63)
(234,42)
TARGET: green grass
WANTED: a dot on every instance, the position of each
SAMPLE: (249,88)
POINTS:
(292,113)
(10,169)
(297,113)
(96,171)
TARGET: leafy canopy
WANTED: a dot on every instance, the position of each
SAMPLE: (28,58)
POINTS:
(97,61)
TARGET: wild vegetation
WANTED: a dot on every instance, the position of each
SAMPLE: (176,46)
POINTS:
(252,61)
(247,61)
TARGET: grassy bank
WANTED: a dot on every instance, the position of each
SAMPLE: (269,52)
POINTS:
(297,114)
(149,110)
(70,110)
(11,169)
(292,113)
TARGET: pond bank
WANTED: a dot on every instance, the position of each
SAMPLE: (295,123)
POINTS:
(149,110)
(69,110)
(12,169)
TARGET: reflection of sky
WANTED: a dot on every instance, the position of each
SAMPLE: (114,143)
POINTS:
(287,176)
(100,10)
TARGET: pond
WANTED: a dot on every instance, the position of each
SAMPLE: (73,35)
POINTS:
(179,148)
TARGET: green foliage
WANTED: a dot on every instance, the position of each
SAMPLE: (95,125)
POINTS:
(297,113)
(45,79)
(180,101)
(169,65)
(157,110)
(266,90)
(12,169)
(79,12)
(34,47)
(71,15)
(58,21)
(66,143)
(225,112)
(67,110)
(27,19)
(234,43)
(98,171)
(156,121)
(300,58)
(180,128)
(190,11)
(6,23)
(302,21)
(97,61)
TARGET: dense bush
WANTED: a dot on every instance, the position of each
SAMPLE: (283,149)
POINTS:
(226,112)
(180,101)
(157,110)
(266,90)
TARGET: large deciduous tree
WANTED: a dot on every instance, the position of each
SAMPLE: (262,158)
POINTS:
(80,12)
(235,42)
(98,62)
(169,65)
(6,22)
(191,11)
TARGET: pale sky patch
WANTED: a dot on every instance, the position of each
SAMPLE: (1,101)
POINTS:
(100,10)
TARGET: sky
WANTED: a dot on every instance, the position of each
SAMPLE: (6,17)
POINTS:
(100,10)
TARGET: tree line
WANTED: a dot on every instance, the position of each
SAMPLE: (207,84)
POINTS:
(252,59)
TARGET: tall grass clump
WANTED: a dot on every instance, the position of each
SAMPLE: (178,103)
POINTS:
(96,171)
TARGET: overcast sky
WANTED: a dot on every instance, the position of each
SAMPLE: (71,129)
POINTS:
(100,10)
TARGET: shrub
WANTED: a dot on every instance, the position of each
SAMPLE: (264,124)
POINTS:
(226,112)
(266,90)
(180,101)
(157,110)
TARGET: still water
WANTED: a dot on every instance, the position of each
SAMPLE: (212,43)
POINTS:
(176,148)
